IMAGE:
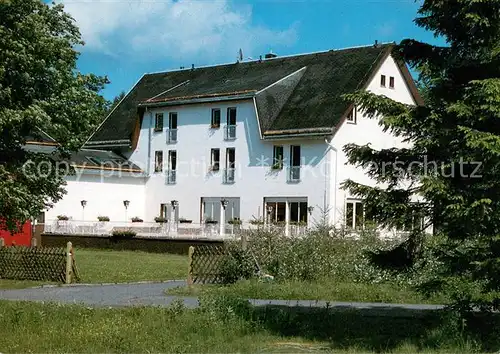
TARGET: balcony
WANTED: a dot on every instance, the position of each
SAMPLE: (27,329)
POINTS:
(230,132)
(229,176)
(171,136)
(171,177)
(293,174)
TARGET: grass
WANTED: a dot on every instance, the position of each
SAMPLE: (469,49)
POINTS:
(226,325)
(109,266)
(326,289)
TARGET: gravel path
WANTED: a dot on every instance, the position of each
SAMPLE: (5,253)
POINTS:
(153,294)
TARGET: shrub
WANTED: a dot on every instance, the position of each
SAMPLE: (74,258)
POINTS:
(160,219)
(234,221)
(137,219)
(103,218)
(257,222)
(62,218)
(123,234)
(237,264)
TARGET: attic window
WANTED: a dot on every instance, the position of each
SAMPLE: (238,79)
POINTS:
(351,116)
(391,82)
(382,80)
(158,122)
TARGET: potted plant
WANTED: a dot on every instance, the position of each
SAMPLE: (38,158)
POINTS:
(185,221)
(62,218)
(160,219)
(234,221)
(103,218)
(137,219)
(209,220)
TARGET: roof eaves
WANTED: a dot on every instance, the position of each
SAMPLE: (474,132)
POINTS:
(299,132)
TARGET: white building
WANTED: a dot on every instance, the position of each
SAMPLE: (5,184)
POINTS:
(264,136)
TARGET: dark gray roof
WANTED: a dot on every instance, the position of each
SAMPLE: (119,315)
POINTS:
(305,99)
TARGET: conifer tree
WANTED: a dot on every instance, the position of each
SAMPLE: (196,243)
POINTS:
(453,164)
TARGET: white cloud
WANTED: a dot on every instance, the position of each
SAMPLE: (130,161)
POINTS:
(182,29)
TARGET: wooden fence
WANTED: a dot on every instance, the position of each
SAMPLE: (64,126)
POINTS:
(38,263)
(204,264)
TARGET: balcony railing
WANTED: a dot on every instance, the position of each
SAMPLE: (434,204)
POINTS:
(230,132)
(171,136)
(229,175)
(294,174)
(171,177)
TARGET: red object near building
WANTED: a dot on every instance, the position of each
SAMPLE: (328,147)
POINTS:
(22,238)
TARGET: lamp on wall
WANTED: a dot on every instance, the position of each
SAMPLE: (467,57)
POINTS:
(310,209)
(126,203)
(224,202)
(83,204)
(174,203)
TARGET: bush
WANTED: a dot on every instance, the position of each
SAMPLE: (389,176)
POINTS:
(122,234)
(103,218)
(237,264)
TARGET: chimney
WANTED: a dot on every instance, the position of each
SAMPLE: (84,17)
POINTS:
(376,43)
(270,55)
(192,66)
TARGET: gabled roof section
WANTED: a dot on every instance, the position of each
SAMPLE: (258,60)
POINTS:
(300,92)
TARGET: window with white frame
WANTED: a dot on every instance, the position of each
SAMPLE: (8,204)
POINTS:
(382,80)
(354,214)
(214,159)
(351,116)
(158,122)
(215,123)
(158,161)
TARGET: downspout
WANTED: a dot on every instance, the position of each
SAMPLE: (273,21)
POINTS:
(148,168)
(334,180)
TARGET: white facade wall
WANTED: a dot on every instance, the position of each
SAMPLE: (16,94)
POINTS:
(104,195)
(365,131)
(254,178)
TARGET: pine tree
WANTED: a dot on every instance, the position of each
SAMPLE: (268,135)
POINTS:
(453,164)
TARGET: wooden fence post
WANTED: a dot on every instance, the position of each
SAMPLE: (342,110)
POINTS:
(2,242)
(33,242)
(69,262)
(190,266)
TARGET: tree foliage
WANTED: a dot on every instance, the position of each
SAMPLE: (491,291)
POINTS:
(453,164)
(41,90)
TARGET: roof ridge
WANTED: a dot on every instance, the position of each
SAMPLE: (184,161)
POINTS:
(269,59)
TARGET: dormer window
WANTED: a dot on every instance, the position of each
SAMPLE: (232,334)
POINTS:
(382,80)
(351,116)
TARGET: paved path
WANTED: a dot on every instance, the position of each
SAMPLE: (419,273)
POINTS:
(139,294)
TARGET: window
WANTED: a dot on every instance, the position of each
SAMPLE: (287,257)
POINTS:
(215,160)
(382,80)
(277,157)
(158,161)
(354,215)
(231,116)
(215,118)
(172,167)
(294,175)
(391,82)
(158,122)
(172,128)
(230,165)
(164,211)
(352,115)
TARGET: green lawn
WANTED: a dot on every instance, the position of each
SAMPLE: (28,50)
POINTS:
(326,289)
(226,326)
(109,266)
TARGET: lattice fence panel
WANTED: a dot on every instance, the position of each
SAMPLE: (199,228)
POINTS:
(35,263)
(205,264)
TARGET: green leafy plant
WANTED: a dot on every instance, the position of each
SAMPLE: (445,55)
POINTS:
(185,221)
(160,219)
(62,218)
(123,234)
(103,218)
(234,221)
(237,264)
(136,219)
(209,220)
(256,221)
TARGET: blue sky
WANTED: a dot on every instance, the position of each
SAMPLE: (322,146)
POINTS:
(127,38)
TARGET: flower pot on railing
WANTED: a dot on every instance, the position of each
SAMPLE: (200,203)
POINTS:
(211,222)
(136,219)
(103,218)
(185,221)
(161,220)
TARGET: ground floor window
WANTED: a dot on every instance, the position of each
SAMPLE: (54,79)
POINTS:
(276,209)
(211,208)
(354,214)
(166,211)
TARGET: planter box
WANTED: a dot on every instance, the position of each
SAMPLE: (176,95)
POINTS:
(185,221)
